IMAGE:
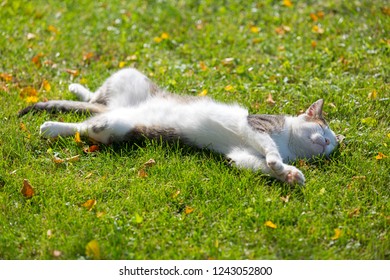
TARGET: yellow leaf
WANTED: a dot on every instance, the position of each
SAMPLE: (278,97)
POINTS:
(270,224)
(202,66)
(229,88)
(176,194)
(88,56)
(32,99)
(203,93)
(313,17)
(337,234)
(188,210)
(37,60)
(138,218)
(92,250)
(381,156)
(58,160)
(72,72)
(89,204)
(313,44)
(157,39)
(27,190)
(370,121)
(287,3)
(254,29)
(317,29)
(122,64)
(373,94)
(77,138)
(74,158)
(100,214)
(6,77)
(53,29)
(164,36)
(46,85)
(320,14)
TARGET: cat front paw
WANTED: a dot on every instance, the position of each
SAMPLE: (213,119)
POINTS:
(294,176)
(50,129)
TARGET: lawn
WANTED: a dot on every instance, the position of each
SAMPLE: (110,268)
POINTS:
(274,57)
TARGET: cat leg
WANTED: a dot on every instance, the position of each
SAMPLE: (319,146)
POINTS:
(265,145)
(81,92)
(54,129)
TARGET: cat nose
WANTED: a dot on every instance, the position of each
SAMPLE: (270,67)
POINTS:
(327,141)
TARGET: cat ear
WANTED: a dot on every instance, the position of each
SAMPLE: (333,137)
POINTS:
(315,109)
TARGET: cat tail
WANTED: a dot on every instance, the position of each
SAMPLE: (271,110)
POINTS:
(64,106)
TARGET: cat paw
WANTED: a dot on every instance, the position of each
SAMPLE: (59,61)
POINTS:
(50,130)
(294,176)
(75,88)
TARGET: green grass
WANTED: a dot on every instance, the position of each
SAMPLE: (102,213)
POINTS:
(148,218)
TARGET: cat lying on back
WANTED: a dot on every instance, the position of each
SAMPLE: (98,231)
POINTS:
(128,106)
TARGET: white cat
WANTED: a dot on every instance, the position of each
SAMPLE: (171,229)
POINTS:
(129,106)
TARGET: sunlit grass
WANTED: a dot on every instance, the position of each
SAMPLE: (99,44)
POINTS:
(192,204)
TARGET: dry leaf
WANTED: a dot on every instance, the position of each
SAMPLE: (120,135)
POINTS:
(317,29)
(270,224)
(121,64)
(313,44)
(142,173)
(150,163)
(53,29)
(337,234)
(74,158)
(72,72)
(373,94)
(202,66)
(355,212)
(46,85)
(285,198)
(31,36)
(381,156)
(100,214)
(287,3)
(229,88)
(227,61)
(58,160)
(77,138)
(37,60)
(27,190)
(203,93)
(92,250)
(188,210)
(57,253)
(175,194)
(89,204)
(254,29)
(270,100)
(6,77)
(91,149)
(88,56)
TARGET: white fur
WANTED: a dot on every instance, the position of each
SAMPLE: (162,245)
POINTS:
(202,122)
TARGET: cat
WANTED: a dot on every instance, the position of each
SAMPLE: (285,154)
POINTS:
(128,106)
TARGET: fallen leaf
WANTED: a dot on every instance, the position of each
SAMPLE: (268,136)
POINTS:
(74,158)
(337,234)
(27,190)
(100,214)
(270,224)
(142,173)
(203,93)
(385,11)
(92,250)
(229,88)
(283,29)
(28,92)
(88,56)
(91,149)
(57,253)
(31,36)
(381,156)
(164,36)
(270,100)
(150,163)
(49,233)
(188,210)
(355,212)
(313,44)
(53,29)
(287,3)
(285,198)
(46,85)
(6,77)
(313,17)
(89,175)
(77,137)
(72,72)
(320,14)
(122,64)
(37,60)
(254,29)
(372,95)
(138,218)
(58,160)
(202,66)
(89,204)
(176,194)
(227,61)
(317,29)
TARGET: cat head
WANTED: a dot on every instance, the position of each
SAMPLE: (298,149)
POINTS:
(311,135)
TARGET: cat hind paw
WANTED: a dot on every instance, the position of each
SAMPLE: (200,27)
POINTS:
(295,176)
